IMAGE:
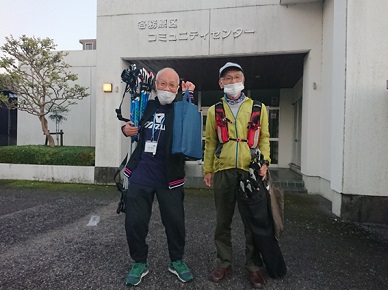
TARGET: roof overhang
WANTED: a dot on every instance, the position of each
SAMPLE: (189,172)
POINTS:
(261,71)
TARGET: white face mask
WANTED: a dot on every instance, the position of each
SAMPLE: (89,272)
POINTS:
(233,90)
(165,97)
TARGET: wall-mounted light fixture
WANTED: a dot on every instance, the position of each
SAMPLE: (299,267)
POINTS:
(107,88)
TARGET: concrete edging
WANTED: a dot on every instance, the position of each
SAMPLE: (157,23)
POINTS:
(53,173)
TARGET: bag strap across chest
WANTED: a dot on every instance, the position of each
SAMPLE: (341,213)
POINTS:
(253,125)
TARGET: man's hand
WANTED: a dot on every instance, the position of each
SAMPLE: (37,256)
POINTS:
(187,86)
(263,171)
(208,179)
(130,130)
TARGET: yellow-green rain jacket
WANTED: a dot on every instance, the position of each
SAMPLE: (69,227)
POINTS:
(234,154)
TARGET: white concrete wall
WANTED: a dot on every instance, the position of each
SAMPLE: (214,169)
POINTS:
(82,130)
(366,105)
(296,27)
(286,123)
(329,183)
(335,39)
(354,74)
(326,89)
(120,7)
(79,128)
(244,27)
(52,173)
(312,139)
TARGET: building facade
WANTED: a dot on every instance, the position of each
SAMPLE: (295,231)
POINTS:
(320,66)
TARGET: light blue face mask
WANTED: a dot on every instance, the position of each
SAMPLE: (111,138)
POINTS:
(165,97)
(233,90)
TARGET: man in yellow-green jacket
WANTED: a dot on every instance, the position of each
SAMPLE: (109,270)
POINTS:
(226,160)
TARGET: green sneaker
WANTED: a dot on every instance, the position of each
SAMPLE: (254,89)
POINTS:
(180,269)
(138,271)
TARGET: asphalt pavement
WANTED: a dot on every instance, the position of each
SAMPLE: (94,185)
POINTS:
(46,243)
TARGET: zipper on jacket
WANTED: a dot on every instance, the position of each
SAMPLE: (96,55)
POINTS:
(235,128)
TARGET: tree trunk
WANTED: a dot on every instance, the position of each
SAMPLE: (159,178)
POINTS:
(44,123)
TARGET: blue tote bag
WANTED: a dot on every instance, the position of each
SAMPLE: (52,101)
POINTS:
(187,131)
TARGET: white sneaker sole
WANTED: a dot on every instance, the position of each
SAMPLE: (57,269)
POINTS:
(176,274)
(141,278)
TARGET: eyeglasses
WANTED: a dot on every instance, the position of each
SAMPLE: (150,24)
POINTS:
(229,79)
(163,85)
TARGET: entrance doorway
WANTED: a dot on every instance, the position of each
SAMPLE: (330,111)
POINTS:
(265,76)
(273,117)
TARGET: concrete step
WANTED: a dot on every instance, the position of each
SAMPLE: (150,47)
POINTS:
(296,186)
(288,180)
(285,178)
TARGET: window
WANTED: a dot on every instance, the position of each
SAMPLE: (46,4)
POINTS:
(273,118)
(270,97)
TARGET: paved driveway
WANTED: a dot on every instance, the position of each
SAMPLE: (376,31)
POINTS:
(45,243)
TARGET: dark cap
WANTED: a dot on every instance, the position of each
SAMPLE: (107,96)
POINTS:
(229,65)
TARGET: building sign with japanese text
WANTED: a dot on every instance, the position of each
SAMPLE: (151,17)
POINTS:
(156,33)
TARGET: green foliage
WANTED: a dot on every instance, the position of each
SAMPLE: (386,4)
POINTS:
(40,154)
(4,80)
(57,115)
(41,78)
(3,99)
(92,190)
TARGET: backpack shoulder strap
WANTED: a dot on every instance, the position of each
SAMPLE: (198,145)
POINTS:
(256,111)
(221,123)
(219,109)
(254,125)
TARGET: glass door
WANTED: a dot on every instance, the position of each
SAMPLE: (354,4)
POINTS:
(273,117)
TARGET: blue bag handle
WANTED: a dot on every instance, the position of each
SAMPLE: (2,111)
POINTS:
(186,97)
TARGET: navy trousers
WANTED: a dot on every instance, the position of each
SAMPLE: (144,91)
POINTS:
(138,209)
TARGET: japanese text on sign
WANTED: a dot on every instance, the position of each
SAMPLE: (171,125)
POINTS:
(186,35)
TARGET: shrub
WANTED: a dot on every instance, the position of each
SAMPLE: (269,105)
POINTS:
(40,154)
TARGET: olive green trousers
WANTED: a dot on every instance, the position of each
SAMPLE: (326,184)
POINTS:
(225,196)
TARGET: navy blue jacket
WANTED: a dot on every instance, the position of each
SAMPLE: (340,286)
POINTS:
(175,163)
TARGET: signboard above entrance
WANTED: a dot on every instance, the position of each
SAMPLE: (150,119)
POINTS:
(152,26)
